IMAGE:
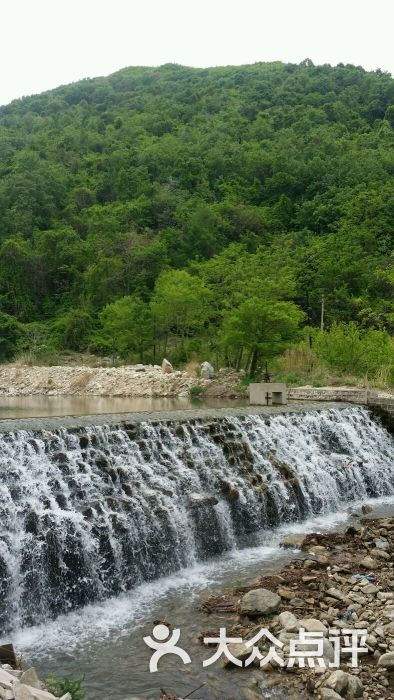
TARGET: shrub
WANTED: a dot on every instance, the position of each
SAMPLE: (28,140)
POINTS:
(61,686)
(350,349)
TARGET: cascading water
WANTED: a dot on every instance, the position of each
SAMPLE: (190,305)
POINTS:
(90,513)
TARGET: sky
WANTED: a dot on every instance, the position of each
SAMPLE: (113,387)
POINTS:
(46,43)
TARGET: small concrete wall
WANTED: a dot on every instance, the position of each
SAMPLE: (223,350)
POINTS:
(268,394)
(328,394)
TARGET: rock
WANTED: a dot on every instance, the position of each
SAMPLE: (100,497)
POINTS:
(338,595)
(6,679)
(207,371)
(202,499)
(67,696)
(365,509)
(317,549)
(370,589)
(27,692)
(310,624)
(380,554)
(355,688)
(260,602)
(293,542)
(328,694)
(371,641)
(30,677)
(369,563)
(239,651)
(289,621)
(286,593)
(166,367)
(382,543)
(139,368)
(387,660)
(340,682)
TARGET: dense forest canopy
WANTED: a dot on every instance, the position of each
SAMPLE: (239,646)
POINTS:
(186,211)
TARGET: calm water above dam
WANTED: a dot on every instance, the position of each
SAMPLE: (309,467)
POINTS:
(51,406)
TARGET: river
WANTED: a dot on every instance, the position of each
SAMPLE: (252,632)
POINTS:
(107,532)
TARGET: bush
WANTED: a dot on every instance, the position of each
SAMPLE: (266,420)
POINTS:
(350,349)
(10,334)
(61,686)
(73,330)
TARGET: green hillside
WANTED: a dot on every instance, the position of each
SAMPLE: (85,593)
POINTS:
(201,213)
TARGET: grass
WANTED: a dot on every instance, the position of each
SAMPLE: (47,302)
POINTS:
(61,686)
(300,366)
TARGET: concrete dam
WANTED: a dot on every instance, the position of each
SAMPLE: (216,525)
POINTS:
(93,507)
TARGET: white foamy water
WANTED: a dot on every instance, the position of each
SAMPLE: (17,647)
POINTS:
(108,528)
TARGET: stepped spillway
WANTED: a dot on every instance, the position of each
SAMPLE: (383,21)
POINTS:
(88,512)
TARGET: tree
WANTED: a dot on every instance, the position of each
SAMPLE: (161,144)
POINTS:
(126,328)
(10,334)
(264,328)
(180,305)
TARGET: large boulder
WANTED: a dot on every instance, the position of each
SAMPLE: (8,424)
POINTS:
(166,367)
(207,371)
(387,660)
(288,621)
(30,677)
(260,602)
(342,682)
(310,624)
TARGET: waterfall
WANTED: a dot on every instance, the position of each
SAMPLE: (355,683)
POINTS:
(88,513)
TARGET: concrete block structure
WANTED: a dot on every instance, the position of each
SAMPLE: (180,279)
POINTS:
(268,394)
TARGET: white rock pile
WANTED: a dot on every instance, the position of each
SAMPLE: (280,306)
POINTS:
(23,685)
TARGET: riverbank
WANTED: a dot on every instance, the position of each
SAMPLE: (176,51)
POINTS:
(149,381)
(338,582)
(133,380)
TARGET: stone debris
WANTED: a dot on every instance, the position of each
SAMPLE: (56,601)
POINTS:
(344,595)
(130,380)
(16,684)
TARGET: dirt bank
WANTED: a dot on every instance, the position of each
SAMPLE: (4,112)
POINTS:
(149,381)
(138,381)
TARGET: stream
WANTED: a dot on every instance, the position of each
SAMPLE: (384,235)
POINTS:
(108,529)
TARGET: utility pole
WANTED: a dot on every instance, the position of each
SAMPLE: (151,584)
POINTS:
(322,315)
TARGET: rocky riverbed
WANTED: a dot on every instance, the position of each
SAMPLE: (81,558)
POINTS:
(131,380)
(338,582)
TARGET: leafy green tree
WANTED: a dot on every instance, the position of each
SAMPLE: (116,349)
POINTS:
(180,305)
(73,330)
(10,334)
(262,328)
(126,328)
(356,351)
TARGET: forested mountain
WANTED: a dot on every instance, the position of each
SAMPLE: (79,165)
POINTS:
(175,209)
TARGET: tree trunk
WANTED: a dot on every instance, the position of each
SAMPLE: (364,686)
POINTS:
(239,359)
(253,362)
